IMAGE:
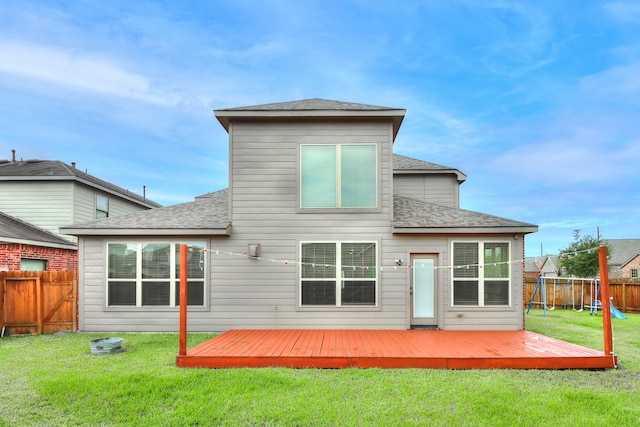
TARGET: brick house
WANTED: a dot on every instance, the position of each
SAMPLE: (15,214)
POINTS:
(26,247)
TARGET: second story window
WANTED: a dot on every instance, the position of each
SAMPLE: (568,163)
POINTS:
(338,176)
(102,206)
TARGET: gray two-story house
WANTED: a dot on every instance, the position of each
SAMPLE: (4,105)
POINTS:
(37,197)
(322,226)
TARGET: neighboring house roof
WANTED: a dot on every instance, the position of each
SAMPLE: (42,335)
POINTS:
(532,265)
(409,165)
(14,230)
(411,215)
(542,264)
(311,108)
(55,170)
(623,250)
(206,215)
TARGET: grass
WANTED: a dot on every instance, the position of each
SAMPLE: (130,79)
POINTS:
(55,380)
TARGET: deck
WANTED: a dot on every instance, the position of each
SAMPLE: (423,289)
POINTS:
(392,349)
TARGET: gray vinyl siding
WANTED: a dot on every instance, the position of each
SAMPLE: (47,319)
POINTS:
(242,292)
(442,189)
(53,204)
(264,200)
(44,204)
(84,206)
(263,293)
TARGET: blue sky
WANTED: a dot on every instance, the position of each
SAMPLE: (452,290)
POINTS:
(537,102)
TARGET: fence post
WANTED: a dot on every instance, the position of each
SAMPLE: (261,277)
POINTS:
(606,301)
(183,300)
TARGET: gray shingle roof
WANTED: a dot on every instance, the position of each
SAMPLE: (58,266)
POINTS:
(409,163)
(623,250)
(312,104)
(17,231)
(51,170)
(417,214)
(311,108)
(207,214)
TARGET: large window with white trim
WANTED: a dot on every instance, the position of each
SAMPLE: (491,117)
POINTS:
(148,274)
(338,176)
(481,274)
(339,274)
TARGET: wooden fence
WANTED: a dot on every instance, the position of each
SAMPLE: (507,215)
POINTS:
(579,294)
(38,302)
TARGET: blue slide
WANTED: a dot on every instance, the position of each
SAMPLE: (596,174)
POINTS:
(616,313)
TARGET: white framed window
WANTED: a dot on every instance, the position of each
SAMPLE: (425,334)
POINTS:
(148,274)
(481,274)
(102,206)
(339,176)
(634,273)
(338,274)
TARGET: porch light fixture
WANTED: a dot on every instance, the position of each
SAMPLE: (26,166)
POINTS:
(254,250)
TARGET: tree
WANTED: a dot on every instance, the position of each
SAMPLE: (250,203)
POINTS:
(580,259)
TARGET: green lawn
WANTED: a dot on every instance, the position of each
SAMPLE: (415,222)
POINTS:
(54,380)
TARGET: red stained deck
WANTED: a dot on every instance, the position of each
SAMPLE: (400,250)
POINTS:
(392,349)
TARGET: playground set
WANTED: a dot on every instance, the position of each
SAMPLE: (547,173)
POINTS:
(585,294)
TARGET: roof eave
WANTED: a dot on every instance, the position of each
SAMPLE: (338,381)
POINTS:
(396,115)
(70,245)
(460,176)
(465,230)
(223,230)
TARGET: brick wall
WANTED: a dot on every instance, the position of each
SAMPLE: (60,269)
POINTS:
(631,265)
(57,259)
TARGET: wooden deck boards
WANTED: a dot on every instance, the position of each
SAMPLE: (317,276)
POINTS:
(392,349)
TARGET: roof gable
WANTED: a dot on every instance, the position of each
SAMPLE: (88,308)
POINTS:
(623,250)
(636,257)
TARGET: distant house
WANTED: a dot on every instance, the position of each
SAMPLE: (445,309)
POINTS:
(322,226)
(25,247)
(624,260)
(546,266)
(37,197)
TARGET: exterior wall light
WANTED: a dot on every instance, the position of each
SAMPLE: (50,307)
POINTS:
(254,250)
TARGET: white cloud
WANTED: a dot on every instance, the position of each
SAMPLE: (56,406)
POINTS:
(616,83)
(523,39)
(80,70)
(624,11)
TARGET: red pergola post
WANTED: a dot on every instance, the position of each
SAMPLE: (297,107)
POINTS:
(183,300)
(606,302)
